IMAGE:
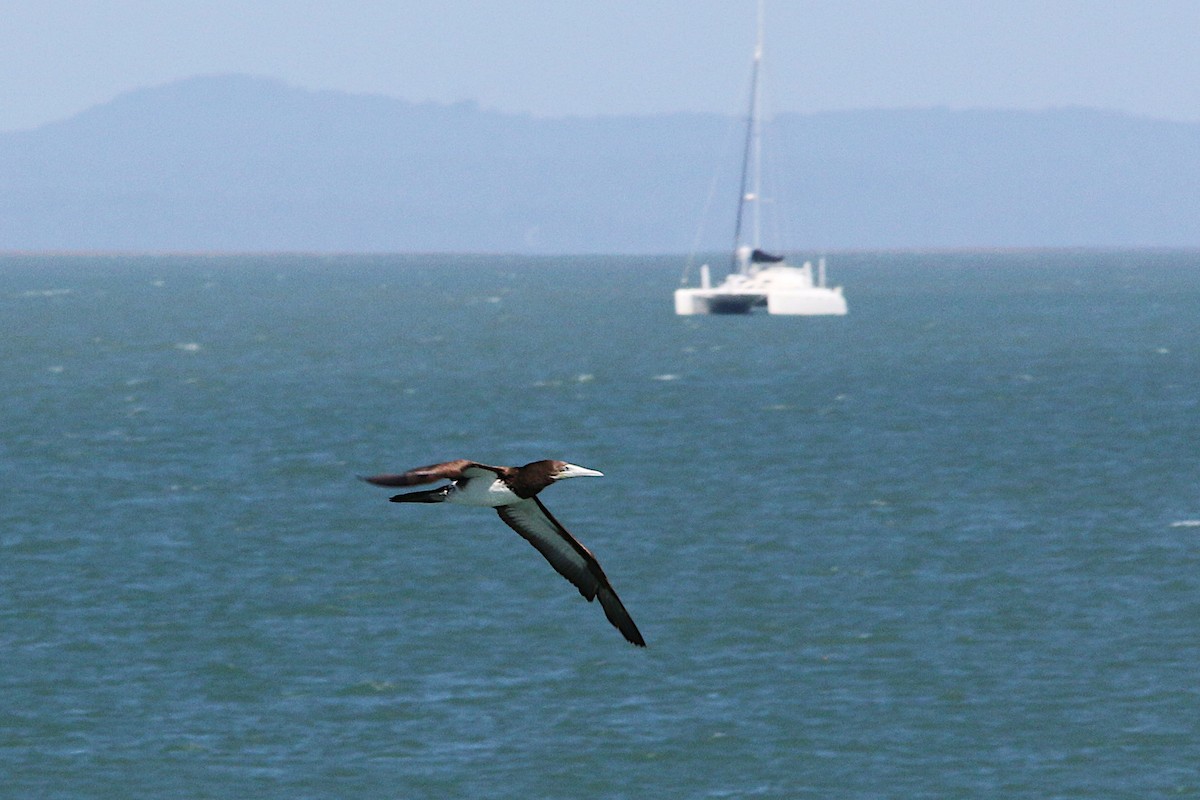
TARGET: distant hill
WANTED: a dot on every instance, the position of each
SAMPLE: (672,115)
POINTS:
(238,163)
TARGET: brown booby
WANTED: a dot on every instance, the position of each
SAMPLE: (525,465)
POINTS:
(512,491)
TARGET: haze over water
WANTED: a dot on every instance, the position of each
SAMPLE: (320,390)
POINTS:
(946,546)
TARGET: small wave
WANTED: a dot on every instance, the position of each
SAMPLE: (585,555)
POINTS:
(666,377)
(44,293)
(188,347)
(368,689)
(1186,523)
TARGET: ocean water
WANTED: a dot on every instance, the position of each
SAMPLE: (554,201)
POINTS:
(947,546)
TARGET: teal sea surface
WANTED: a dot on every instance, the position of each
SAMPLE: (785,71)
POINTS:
(946,546)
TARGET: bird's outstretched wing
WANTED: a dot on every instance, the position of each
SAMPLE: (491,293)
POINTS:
(446,471)
(573,561)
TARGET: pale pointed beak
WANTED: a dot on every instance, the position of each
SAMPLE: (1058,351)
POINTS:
(576,471)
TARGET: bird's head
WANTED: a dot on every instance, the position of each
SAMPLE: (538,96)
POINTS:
(561,469)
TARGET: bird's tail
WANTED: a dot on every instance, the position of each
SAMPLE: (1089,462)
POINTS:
(427,496)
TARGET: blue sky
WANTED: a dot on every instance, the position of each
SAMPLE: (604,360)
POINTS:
(581,57)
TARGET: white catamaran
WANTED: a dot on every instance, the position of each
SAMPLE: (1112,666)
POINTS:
(757,278)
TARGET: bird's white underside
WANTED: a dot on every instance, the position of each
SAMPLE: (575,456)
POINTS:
(476,492)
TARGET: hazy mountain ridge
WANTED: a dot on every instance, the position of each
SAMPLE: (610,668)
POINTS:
(238,163)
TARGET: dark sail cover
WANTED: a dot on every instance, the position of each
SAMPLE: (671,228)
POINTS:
(763,257)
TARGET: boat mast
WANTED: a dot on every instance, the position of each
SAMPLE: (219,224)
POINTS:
(757,128)
(752,154)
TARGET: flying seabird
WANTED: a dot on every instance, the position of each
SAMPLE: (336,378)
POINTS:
(512,491)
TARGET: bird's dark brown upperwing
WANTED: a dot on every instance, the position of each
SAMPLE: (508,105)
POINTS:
(445,471)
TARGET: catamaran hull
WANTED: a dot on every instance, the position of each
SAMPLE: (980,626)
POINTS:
(813,302)
(818,301)
(702,301)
